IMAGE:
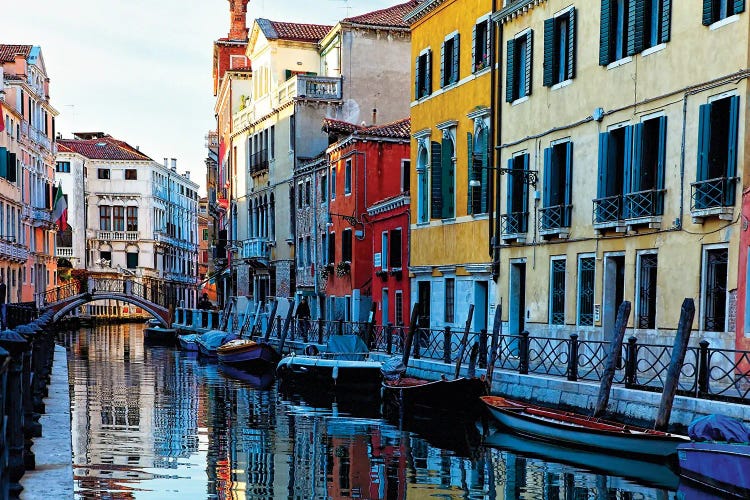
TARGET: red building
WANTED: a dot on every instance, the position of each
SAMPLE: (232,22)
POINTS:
(368,203)
(742,323)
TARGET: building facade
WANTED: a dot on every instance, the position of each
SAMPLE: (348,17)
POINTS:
(622,141)
(451,182)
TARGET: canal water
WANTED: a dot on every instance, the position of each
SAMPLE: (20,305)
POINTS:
(154,422)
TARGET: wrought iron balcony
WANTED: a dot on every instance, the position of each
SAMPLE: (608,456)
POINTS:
(259,161)
(555,217)
(256,248)
(117,235)
(644,204)
(608,210)
(514,225)
(712,194)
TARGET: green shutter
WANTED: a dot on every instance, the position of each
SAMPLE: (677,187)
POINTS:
(734,117)
(470,173)
(509,187)
(525,192)
(474,49)
(739,6)
(449,179)
(708,12)
(635,185)
(571,73)
(510,70)
(436,178)
(442,65)
(529,59)
(547,181)
(489,32)
(601,186)
(568,183)
(604,33)
(661,164)
(628,160)
(636,9)
(704,141)
(417,95)
(549,52)
(3,162)
(484,173)
(428,73)
(456,54)
(12,167)
(666,21)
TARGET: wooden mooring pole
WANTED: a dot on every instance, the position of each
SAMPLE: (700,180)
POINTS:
(615,347)
(497,327)
(269,326)
(464,341)
(285,330)
(410,335)
(672,381)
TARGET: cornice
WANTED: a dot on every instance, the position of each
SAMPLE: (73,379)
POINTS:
(387,205)
(515,9)
(422,11)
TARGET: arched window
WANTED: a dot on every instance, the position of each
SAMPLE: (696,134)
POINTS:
(423,188)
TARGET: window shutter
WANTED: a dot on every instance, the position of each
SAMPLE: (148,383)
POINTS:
(637,158)
(436,205)
(525,192)
(3,162)
(571,73)
(734,116)
(628,160)
(484,173)
(449,179)
(549,52)
(489,32)
(739,6)
(442,65)
(666,20)
(661,164)
(416,80)
(529,59)
(12,167)
(474,49)
(604,33)
(708,12)
(635,26)
(510,70)
(547,184)
(471,174)
(509,187)
(428,73)
(704,141)
(456,54)
(568,183)
(601,186)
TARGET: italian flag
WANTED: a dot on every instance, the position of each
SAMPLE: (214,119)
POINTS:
(60,212)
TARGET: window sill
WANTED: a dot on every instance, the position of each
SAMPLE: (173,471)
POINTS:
(618,225)
(619,62)
(481,71)
(652,221)
(562,84)
(448,220)
(723,22)
(560,232)
(449,86)
(654,49)
(517,237)
(480,216)
(520,100)
(722,213)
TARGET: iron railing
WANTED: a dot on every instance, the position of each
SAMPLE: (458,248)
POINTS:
(712,193)
(259,161)
(554,217)
(648,203)
(608,209)
(514,223)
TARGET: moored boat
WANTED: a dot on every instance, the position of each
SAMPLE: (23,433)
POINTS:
(248,354)
(460,395)
(579,430)
(210,341)
(189,342)
(158,334)
(723,467)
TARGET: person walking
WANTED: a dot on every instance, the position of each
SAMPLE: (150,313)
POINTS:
(303,317)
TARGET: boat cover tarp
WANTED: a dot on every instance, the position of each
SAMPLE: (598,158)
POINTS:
(393,368)
(347,347)
(719,428)
(214,338)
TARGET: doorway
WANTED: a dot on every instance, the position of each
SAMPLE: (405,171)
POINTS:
(480,305)
(384,317)
(614,291)
(423,296)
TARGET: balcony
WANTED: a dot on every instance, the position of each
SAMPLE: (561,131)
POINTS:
(117,235)
(13,251)
(555,221)
(41,217)
(644,207)
(315,88)
(608,213)
(259,162)
(256,248)
(513,226)
(64,252)
(713,198)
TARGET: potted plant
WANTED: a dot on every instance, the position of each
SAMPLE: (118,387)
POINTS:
(325,273)
(396,272)
(383,273)
(343,268)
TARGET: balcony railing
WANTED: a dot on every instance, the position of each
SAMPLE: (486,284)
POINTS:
(713,193)
(13,251)
(514,223)
(318,87)
(555,217)
(64,252)
(608,209)
(648,203)
(117,235)
(256,248)
(259,161)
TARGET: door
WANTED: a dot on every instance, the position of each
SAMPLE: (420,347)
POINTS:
(423,295)
(384,316)
(614,286)
(516,303)
(480,305)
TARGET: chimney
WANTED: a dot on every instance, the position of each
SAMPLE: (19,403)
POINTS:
(374,116)
(166,162)
(174,164)
(187,174)
(238,19)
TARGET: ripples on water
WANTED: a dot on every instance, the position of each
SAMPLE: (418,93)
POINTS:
(155,422)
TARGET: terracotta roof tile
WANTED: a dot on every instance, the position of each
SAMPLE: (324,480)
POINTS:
(333,125)
(391,16)
(8,52)
(103,148)
(400,129)
(275,30)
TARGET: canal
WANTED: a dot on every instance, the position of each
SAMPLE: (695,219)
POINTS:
(155,422)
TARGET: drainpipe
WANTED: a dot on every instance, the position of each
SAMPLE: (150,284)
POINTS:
(496,47)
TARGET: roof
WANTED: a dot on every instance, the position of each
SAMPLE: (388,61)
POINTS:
(399,129)
(332,125)
(102,148)
(275,30)
(8,52)
(391,16)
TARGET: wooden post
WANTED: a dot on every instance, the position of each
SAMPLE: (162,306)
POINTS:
(289,314)
(675,365)
(483,348)
(269,326)
(447,335)
(410,335)
(321,326)
(631,362)
(471,373)
(497,327)
(615,346)
(370,327)
(464,341)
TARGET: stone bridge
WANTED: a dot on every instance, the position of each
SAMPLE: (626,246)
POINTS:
(65,298)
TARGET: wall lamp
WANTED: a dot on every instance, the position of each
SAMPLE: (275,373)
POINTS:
(529,176)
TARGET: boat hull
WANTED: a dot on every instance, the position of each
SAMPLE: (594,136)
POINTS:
(259,356)
(723,467)
(460,395)
(583,432)
(332,373)
(157,334)
(188,342)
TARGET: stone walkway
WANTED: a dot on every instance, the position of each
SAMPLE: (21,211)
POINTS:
(53,477)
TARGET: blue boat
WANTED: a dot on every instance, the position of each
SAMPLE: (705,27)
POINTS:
(189,342)
(210,341)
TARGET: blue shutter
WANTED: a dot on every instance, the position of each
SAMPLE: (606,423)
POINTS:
(628,160)
(449,179)
(525,202)
(739,6)
(601,186)
(704,141)
(661,164)
(604,32)
(470,173)
(635,26)
(509,187)
(547,181)
(734,116)
(417,95)
(635,185)
(510,69)
(456,54)
(3,162)
(436,178)
(484,173)
(529,59)
(474,49)
(568,183)
(549,52)
(571,73)
(428,73)
(442,65)
(708,12)
(666,20)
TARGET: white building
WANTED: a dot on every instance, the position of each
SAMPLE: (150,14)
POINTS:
(129,215)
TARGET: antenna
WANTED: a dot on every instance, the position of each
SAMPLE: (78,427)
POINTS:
(347,6)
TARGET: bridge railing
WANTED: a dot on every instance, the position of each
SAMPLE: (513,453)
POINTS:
(62,292)
(196,319)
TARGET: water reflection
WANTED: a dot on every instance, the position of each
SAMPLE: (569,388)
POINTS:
(155,422)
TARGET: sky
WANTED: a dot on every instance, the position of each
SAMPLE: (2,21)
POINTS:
(140,70)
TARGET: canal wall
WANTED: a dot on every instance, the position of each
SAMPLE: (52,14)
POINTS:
(628,405)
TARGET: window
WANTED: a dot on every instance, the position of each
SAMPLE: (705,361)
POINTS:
(118,218)
(132,219)
(333,183)
(299,195)
(405,175)
(450,300)
(205,234)
(518,70)
(308,251)
(557,186)
(346,245)
(716,10)
(559,48)
(348,176)
(131,174)
(557,292)
(586,274)
(615,148)
(449,61)
(656,16)
(332,248)
(272,142)
(646,299)
(715,289)
(105,256)
(398,312)
(613,35)
(423,77)
(443,178)
(300,253)
(717,153)
(384,251)
(423,189)
(515,220)
(323,248)
(62,166)
(132,260)
(394,252)
(646,193)
(480,49)
(102,173)
(292,133)
(307,192)
(105,218)
(324,187)
(478,172)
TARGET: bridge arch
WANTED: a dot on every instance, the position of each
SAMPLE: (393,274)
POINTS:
(62,308)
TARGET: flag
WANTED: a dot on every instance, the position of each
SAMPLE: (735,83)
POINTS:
(60,212)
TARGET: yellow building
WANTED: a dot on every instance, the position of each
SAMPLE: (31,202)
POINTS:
(621,133)
(450,220)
